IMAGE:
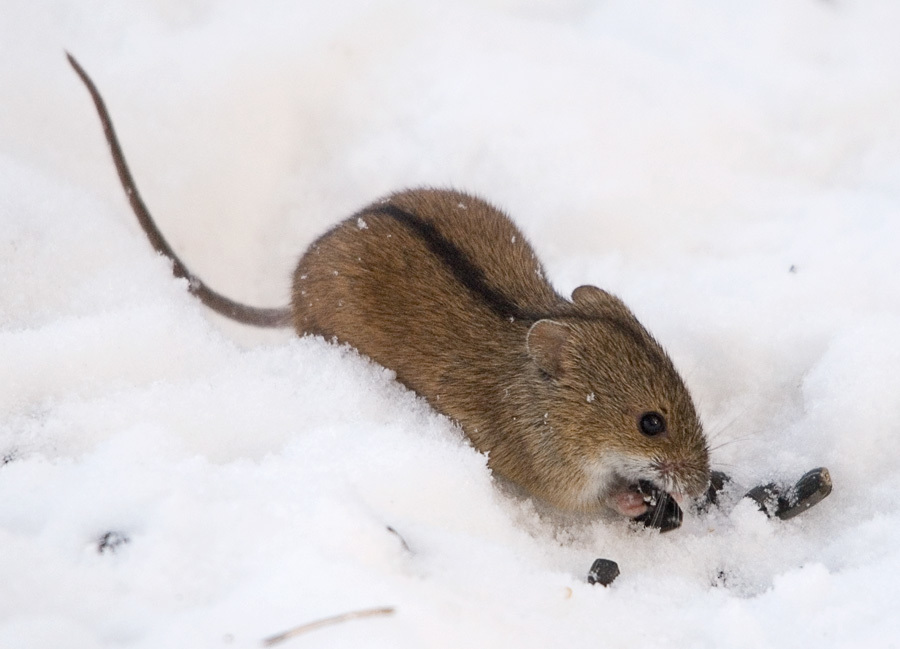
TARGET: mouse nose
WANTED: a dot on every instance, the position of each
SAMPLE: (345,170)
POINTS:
(682,478)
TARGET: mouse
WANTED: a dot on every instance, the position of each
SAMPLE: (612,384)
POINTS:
(571,399)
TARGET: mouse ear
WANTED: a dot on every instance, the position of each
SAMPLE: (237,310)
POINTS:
(545,342)
(592,296)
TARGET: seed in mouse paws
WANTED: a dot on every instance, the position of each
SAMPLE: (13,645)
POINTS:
(663,511)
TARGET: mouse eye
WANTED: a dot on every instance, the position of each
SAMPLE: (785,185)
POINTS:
(652,424)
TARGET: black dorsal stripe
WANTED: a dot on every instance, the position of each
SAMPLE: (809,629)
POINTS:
(472,277)
(465,272)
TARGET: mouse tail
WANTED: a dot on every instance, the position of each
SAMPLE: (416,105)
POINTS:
(259,317)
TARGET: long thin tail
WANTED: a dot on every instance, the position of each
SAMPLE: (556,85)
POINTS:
(217,302)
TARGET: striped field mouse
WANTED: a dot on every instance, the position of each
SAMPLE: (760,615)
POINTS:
(571,399)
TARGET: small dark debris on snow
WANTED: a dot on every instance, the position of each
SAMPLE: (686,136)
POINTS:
(721,579)
(603,572)
(792,269)
(400,538)
(111,542)
(7,457)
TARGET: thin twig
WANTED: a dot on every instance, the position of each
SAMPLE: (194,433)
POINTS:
(336,619)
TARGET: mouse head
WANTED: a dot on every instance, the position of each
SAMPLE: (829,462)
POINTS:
(620,410)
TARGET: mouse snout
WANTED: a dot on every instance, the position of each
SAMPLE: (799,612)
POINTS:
(682,477)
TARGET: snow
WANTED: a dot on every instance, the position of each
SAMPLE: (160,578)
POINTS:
(731,170)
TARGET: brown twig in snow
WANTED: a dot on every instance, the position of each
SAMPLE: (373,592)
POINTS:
(336,619)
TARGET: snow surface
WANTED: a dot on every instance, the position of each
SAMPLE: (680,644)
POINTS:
(731,169)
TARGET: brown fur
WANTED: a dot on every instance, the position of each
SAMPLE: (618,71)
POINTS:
(442,288)
(523,399)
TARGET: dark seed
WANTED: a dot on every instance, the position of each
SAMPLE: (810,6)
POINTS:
(774,500)
(811,489)
(766,497)
(603,572)
(664,513)
(717,482)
